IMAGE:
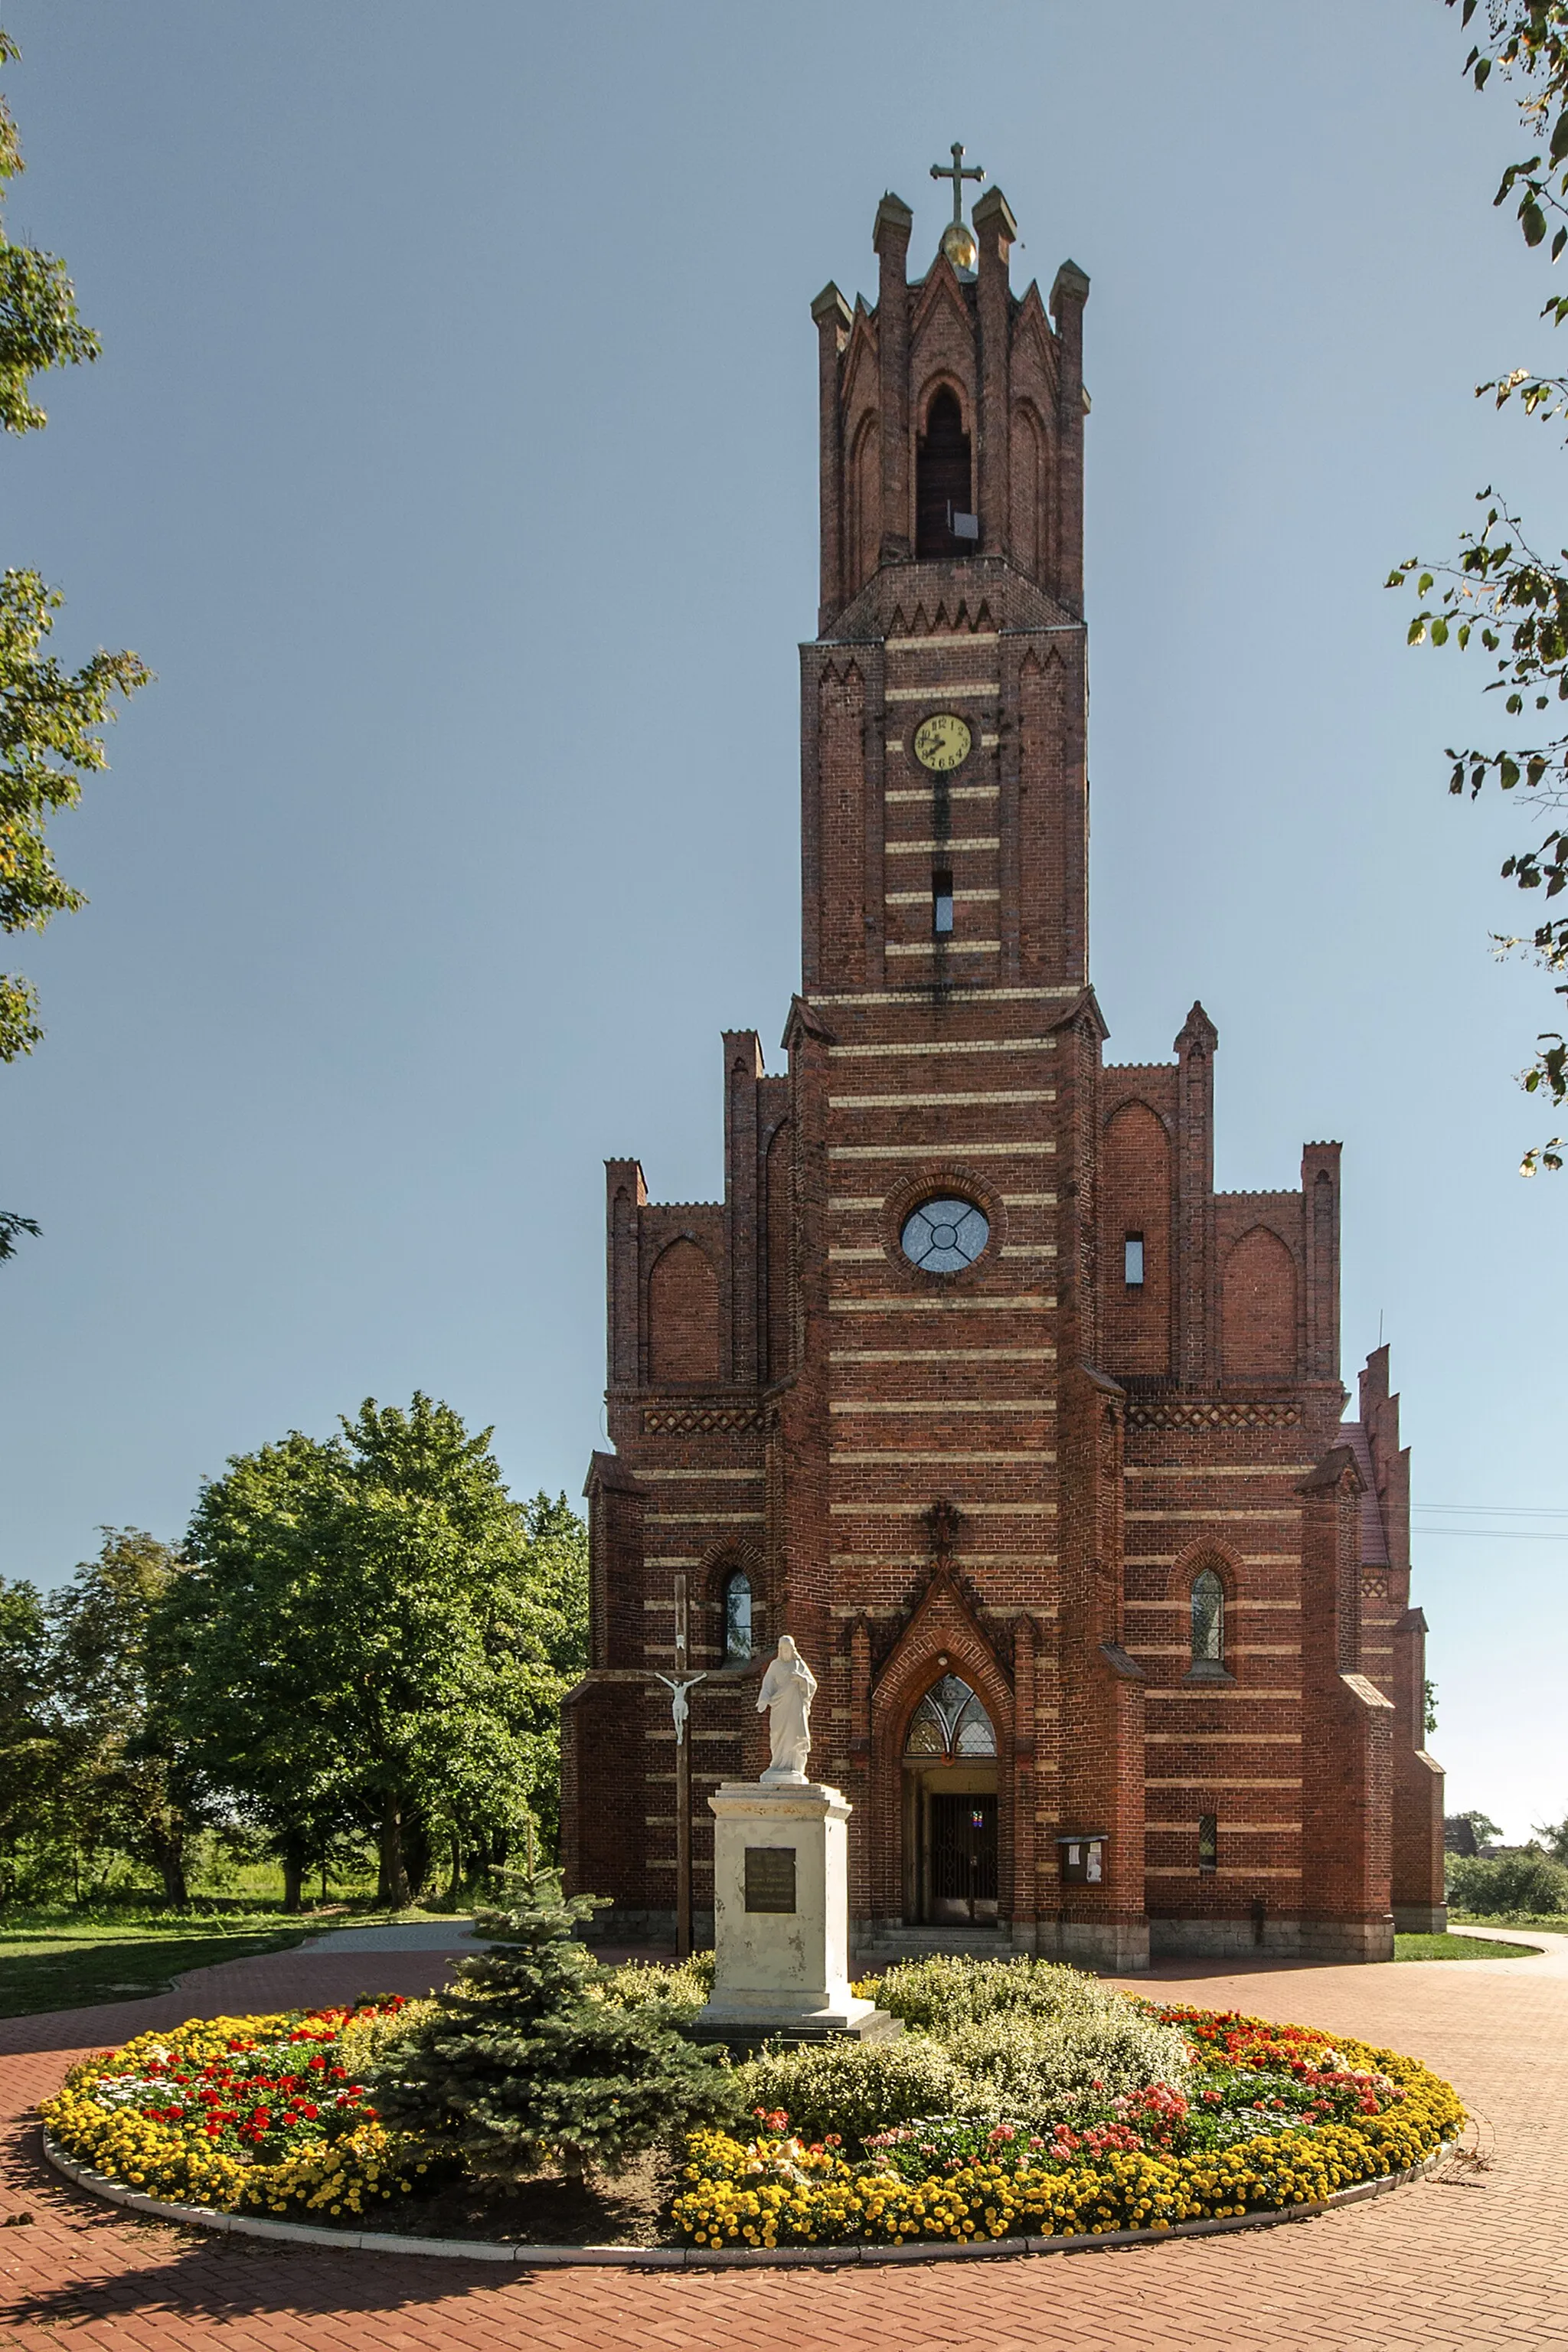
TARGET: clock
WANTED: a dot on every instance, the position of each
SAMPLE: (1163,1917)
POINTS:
(942,741)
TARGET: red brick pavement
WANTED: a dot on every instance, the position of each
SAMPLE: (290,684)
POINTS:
(1464,2265)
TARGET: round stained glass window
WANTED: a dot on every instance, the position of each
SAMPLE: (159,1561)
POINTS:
(944,1236)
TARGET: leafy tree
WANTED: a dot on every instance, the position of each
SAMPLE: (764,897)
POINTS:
(1554,1835)
(525,2065)
(28,1772)
(1498,587)
(117,1749)
(557,1540)
(557,1543)
(1469,1834)
(49,718)
(11,1226)
(371,1633)
(39,327)
(48,742)
(247,1697)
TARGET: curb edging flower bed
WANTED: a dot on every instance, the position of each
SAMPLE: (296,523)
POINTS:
(207,2217)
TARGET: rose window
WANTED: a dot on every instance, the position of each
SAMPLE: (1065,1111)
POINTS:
(944,1236)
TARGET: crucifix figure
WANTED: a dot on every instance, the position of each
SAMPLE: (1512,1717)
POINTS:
(957,172)
(679,1704)
(681,1686)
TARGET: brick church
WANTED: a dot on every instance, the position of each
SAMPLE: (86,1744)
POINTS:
(971,1382)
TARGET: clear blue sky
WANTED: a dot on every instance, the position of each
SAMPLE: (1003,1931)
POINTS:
(451,459)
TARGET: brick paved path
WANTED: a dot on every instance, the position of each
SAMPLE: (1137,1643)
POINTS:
(1466,2265)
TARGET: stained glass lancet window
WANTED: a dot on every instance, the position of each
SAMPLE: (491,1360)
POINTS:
(1208,1620)
(951,1722)
(738,1619)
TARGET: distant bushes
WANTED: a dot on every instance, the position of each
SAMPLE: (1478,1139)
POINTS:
(1492,1886)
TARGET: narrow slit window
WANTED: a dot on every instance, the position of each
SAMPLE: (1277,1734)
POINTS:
(1208,1620)
(1132,1261)
(1208,1843)
(738,1619)
(941,903)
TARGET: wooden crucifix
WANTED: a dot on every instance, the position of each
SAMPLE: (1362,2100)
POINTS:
(680,1686)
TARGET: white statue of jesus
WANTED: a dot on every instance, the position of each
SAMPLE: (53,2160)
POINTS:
(787,1690)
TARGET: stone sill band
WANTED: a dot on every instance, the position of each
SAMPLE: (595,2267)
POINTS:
(700,2258)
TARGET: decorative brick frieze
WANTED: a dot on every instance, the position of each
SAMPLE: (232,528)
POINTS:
(1197,1413)
(687,1420)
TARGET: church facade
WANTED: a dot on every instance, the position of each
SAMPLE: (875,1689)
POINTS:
(971,1382)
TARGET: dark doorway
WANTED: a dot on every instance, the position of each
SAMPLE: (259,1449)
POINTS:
(942,478)
(963,1857)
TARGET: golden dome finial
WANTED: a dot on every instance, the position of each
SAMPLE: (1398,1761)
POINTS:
(957,238)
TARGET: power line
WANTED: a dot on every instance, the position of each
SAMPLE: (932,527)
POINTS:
(1500,1535)
(1498,1510)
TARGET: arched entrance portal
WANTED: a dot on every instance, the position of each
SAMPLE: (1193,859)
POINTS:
(950,1810)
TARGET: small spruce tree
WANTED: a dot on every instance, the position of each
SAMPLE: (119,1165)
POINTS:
(525,2068)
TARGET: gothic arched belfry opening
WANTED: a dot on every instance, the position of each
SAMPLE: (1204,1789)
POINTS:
(1035,1442)
(943,480)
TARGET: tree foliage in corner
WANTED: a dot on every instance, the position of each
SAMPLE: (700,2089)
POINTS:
(1498,588)
(49,717)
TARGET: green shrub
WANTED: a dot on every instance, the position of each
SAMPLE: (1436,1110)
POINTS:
(1035,2069)
(654,1984)
(369,2035)
(852,2087)
(952,1989)
(1507,1882)
(984,2038)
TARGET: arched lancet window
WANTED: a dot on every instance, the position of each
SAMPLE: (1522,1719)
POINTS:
(942,478)
(950,1724)
(1208,1620)
(737,1619)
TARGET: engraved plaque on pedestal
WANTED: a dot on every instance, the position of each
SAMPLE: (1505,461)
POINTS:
(769,1878)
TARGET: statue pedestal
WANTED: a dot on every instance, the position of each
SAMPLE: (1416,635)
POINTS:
(781,1917)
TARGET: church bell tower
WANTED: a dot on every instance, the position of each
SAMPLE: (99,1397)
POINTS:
(951,422)
(944,1053)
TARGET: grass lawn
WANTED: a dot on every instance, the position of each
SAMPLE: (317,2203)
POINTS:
(66,1962)
(1457,1948)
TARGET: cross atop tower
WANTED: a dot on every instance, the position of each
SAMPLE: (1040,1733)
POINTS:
(957,172)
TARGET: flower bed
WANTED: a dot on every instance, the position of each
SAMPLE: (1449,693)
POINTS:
(272,2115)
(1271,2116)
(258,2113)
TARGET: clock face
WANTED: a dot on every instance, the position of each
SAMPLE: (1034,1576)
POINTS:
(942,741)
